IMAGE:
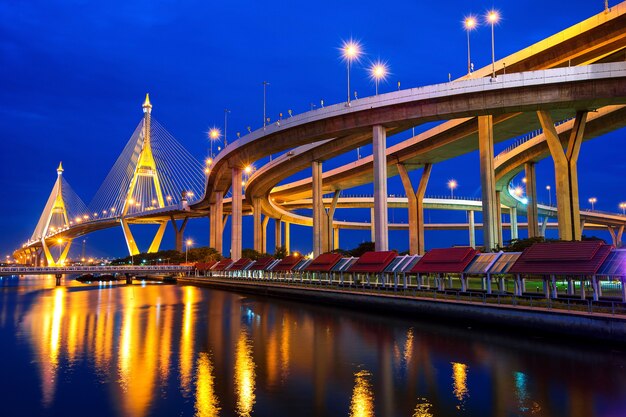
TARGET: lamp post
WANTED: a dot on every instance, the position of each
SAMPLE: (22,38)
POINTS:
(470,24)
(492,19)
(265,84)
(378,71)
(188,243)
(351,50)
(549,195)
(593,201)
(214,134)
(226,111)
(623,207)
(452,184)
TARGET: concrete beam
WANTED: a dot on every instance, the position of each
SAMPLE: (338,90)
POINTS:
(330,215)
(513,221)
(235,234)
(256,220)
(379,148)
(417,245)
(179,232)
(488,182)
(318,210)
(278,241)
(288,237)
(566,172)
(531,194)
(472,229)
(216,223)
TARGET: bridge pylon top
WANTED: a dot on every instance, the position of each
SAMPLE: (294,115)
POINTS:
(147,107)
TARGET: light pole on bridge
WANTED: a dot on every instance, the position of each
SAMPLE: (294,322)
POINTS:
(549,195)
(351,50)
(593,201)
(188,243)
(493,17)
(265,84)
(470,24)
(452,184)
(226,111)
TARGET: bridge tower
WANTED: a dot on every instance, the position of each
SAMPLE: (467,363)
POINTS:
(145,169)
(58,211)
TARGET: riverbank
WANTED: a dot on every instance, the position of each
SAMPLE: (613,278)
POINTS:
(531,320)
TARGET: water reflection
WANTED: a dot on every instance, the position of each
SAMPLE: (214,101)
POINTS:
(207,404)
(173,350)
(362,404)
(459,377)
(244,375)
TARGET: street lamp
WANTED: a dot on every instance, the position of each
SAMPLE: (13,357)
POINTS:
(452,184)
(492,18)
(351,50)
(623,207)
(378,71)
(470,24)
(214,134)
(593,201)
(549,195)
(265,84)
(519,191)
(188,243)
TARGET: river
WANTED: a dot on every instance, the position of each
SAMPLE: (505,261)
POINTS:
(167,350)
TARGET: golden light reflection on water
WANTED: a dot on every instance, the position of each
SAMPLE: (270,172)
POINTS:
(459,377)
(422,409)
(285,347)
(244,375)
(207,404)
(186,341)
(362,404)
(408,346)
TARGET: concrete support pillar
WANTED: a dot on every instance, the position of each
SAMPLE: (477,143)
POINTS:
(544,226)
(264,223)
(582,289)
(616,235)
(257,224)
(372,220)
(499,218)
(216,226)
(513,216)
(278,233)
(488,182)
(595,285)
(531,194)
(472,228)
(570,286)
(416,208)
(336,238)
(555,293)
(328,244)
(179,232)
(236,216)
(318,210)
(566,172)
(379,149)
(288,238)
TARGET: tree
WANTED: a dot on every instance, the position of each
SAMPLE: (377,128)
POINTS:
(280,252)
(362,248)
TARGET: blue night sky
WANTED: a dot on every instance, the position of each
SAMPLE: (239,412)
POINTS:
(74,75)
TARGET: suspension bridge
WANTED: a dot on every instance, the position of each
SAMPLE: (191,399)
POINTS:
(566,88)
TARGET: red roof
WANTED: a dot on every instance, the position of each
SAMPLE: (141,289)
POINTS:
(222,265)
(578,258)
(324,262)
(445,260)
(373,261)
(240,264)
(287,263)
(203,266)
(262,264)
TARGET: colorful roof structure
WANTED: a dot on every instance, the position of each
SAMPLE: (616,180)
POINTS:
(445,260)
(204,266)
(572,258)
(344,264)
(482,263)
(614,264)
(402,263)
(323,263)
(240,265)
(287,263)
(373,261)
(505,261)
(222,265)
(262,264)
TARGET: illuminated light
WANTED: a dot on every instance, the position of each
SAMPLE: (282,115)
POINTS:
(248,169)
(59,241)
(214,133)
(131,201)
(518,191)
(524,200)
(362,402)
(493,16)
(78,220)
(113,209)
(470,22)
(452,185)
(189,242)
(207,170)
(243,183)
(104,212)
(296,254)
(351,50)
(85,216)
(524,180)
(379,71)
